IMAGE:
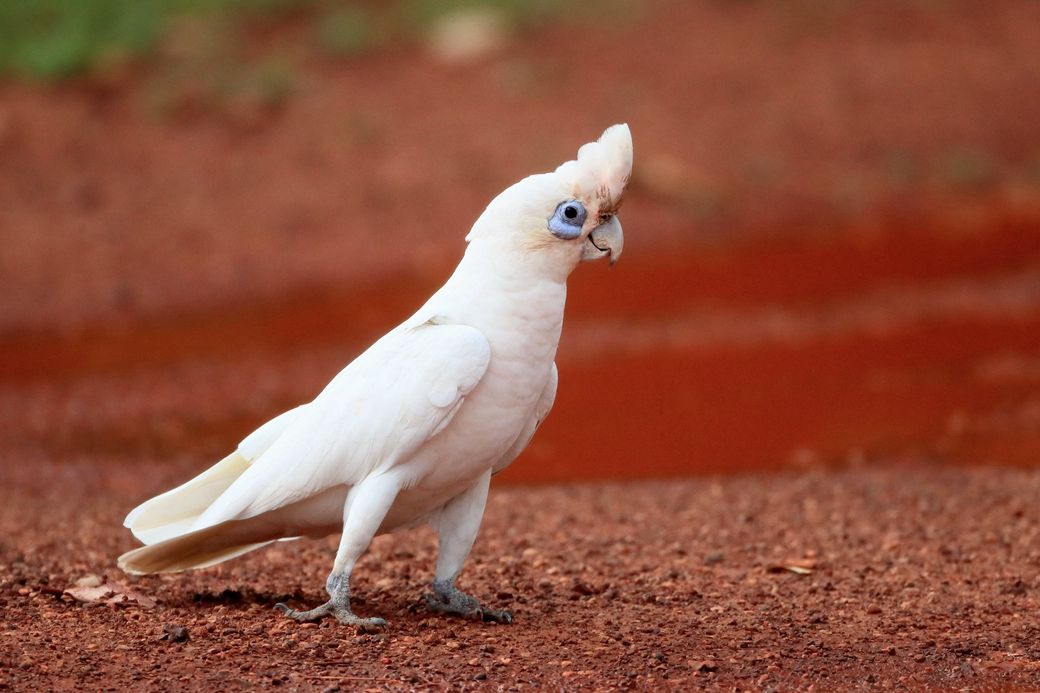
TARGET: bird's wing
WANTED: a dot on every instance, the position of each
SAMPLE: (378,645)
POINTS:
(547,398)
(176,511)
(541,410)
(254,444)
(377,412)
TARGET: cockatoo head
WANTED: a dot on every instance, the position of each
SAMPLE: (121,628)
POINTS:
(559,219)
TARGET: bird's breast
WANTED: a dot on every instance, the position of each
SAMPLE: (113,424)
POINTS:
(524,333)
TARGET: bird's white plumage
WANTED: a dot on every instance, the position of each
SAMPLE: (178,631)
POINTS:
(415,426)
(602,167)
(373,415)
(254,444)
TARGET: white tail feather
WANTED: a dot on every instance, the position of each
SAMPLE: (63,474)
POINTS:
(317,516)
(172,513)
(198,549)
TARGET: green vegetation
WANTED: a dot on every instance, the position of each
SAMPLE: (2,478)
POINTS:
(53,39)
(56,38)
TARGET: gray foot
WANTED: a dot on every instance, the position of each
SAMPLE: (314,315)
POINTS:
(344,616)
(338,606)
(449,599)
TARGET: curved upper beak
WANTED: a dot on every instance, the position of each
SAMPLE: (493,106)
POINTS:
(605,239)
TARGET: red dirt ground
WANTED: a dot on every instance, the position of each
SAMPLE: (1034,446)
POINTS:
(831,285)
(910,577)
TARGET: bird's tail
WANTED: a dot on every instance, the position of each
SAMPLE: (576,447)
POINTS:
(201,548)
(173,513)
(165,524)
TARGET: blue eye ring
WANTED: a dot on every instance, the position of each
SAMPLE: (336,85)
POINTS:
(567,220)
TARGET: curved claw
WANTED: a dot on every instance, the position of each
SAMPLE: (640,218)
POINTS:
(315,614)
(496,615)
(343,615)
(365,625)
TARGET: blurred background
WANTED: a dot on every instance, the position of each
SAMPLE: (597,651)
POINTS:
(208,207)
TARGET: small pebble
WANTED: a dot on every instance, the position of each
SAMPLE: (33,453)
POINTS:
(175,633)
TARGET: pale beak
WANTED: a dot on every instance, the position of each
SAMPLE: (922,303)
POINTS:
(605,239)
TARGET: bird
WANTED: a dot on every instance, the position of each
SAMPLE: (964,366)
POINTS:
(412,430)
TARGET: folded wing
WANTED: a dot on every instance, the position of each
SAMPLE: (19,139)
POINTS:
(375,414)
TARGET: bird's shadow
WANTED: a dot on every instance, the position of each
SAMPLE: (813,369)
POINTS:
(246,597)
(241,597)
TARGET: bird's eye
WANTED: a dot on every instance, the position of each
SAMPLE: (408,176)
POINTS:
(567,220)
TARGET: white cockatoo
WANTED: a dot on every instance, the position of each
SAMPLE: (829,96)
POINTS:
(414,428)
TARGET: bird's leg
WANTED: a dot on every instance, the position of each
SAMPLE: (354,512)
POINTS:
(457,526)
(366,506)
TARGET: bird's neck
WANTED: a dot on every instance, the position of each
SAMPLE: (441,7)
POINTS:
(503,296)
